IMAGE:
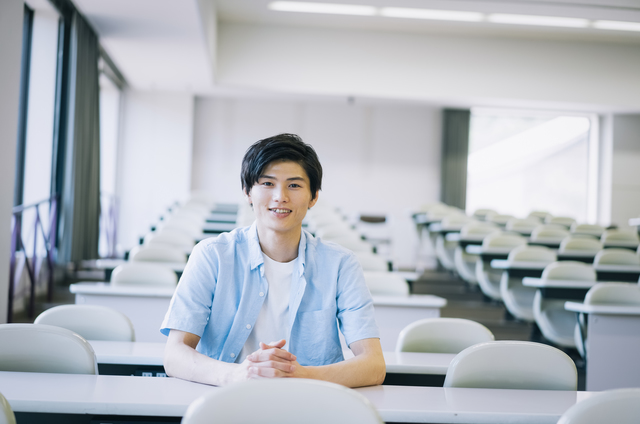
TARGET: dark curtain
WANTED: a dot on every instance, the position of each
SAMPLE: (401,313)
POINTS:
(80,194)
(455,150)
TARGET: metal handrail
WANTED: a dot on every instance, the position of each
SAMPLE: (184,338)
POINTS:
(17,244)
(109,222)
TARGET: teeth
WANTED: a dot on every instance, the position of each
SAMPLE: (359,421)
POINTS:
(281,210)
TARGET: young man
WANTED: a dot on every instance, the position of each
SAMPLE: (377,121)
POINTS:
(262,301)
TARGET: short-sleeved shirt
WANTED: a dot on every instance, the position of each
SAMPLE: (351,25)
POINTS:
(223,287)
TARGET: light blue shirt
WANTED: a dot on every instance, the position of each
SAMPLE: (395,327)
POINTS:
(223,287)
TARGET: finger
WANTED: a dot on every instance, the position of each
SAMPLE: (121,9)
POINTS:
(277,344)
(271,355)
(269,372)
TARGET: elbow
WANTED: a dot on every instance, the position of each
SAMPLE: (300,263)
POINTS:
(381,374)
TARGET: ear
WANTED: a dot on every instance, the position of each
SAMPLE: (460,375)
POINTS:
(247,197)
(314,200)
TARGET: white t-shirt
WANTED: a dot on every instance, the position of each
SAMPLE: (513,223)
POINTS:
(272,321)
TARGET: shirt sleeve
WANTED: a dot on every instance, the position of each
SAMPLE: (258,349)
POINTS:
(190,307)
(355,305)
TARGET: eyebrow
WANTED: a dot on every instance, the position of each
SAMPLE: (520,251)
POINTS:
(288,179)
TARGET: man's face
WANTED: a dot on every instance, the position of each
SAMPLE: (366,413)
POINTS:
(281,197)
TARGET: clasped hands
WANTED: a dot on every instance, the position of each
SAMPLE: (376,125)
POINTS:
(271,361)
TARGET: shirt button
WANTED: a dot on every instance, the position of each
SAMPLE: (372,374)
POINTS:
(248,326)
(233,355)
(261,294)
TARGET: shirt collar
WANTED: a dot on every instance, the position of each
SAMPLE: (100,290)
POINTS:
(255,252)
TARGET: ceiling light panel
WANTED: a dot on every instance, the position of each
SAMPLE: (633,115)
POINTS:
(330,8)
(617,25)
(555,21)
(442,15)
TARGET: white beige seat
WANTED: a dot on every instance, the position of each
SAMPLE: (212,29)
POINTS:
(386,283)
(282,401)
(549,233)
(334,231)
(573,244)
(615,256)
(541,215)
(499,219)
(481,214)
(512,365)
(45,348)
(565,221)
(489,278)
(620,238)
(143,274)
(587,229)
(6,413)
(522,226)
(444,248)
(518,298)
(556,323)
(442,335)
(464,262)
(372,262)
(620,406)
(158,253)
(93,322)
(193,229)
(622,294)
(177,238)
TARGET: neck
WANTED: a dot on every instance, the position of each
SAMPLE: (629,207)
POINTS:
(281,247)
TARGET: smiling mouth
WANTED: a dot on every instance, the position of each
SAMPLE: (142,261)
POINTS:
(281,210)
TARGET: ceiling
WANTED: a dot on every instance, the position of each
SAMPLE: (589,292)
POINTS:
(170,45)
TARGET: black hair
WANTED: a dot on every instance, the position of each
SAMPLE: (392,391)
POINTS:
(281,147)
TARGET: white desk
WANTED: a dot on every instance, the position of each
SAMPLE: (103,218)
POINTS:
(613,343)
(127,358)
(508,265)
(560,289)
(169,397)
(218,227)
(147,306)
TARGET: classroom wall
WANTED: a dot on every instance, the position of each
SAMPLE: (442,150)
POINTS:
(11,12)
(440,68)
(625,176)
(154,159)
(378,158)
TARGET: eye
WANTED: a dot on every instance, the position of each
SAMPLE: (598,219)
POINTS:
(266,183)
(294,185)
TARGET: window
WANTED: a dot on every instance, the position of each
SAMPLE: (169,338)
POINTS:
(524,161)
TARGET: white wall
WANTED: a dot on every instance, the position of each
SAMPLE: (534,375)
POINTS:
(377,157)
(154,159)
(439,68)
(625,182)
(11,12)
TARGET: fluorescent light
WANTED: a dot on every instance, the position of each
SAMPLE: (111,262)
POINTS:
(556,21)
(333,8)
(617,25)
(443,15)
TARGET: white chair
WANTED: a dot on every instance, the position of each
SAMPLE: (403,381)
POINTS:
(573,244)
(512,365)
(499,219)
(442,335)
(489,278)
(184,225)
(522,226)
(620,238)
(565,221)
(444,248)
(587,229)
(623,294)
(541,215)
(158,253)
(481,214)
(6,413)
(337,230)
(556,323)
(93,322)
(372,262)
(620,406)
(518,298)
(174,237)
(45,348)
(549,233)
(614,256)
(143,274)
(282,401)
(465,263)
(353,243)
(386,283)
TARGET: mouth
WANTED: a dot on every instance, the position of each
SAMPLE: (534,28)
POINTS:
(279,210)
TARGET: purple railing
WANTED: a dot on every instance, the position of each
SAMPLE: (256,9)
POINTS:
(17,245)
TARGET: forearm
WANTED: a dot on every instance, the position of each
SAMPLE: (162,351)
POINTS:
(367,369)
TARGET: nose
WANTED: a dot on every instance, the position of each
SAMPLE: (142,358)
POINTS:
(280,194)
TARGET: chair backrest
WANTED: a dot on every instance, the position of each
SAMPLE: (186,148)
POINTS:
(613,256)
(456,220)
(282,401)
(502,240)
(580,244)
(512,365)
(170,236)
(569,270)
(541,215)
(532,254)
(481,214)
(143,274)
(158,253)
(337,230)
(478,229)
(6,413)
(588,229)
(386,283)
(620,406)
(499,219)
(561,220)
(442,335)
(372,262)
(92,322)
(522,225)
(614,236)
(45,348)
(626,294)
(353,244)
(547,232)
(182,225)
